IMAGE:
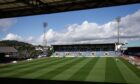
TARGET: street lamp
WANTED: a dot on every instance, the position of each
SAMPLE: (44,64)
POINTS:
(45,24)
(44,38)
(118,19)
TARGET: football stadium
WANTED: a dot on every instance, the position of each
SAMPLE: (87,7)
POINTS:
(68,63)
(76,63)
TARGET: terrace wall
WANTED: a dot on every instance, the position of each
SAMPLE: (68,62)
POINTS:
(84,54)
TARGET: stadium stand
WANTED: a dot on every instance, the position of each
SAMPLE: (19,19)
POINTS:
(84,50)
(133,51)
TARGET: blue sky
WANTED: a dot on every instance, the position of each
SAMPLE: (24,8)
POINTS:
(59,22)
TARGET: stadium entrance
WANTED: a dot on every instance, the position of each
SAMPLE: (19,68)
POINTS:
(84,50)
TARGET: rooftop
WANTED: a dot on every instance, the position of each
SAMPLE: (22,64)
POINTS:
(15,8)
(7,49)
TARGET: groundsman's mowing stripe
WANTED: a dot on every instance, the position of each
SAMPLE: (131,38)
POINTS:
(97,74)
(36,74)
(25,62)
(59,70)
(128,74)
(84,71)
(24,65)
(132,67)
(68,73)
(30,69)
(113,73)
(78,69)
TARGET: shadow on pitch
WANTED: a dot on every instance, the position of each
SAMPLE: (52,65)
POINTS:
(38,81)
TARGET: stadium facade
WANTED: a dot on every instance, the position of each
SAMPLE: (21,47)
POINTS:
(87,50)
(132,51)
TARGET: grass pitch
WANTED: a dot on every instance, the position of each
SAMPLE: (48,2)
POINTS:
(105,69)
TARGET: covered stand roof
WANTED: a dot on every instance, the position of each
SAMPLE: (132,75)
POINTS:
(83,44)
(15,8)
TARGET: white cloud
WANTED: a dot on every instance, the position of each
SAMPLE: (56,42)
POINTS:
(84,33)
(130,24)
(93,32)
(89,32)
(12,36)
(30,39)
(6,23)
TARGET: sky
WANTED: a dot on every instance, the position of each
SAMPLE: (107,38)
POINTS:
(83,26)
